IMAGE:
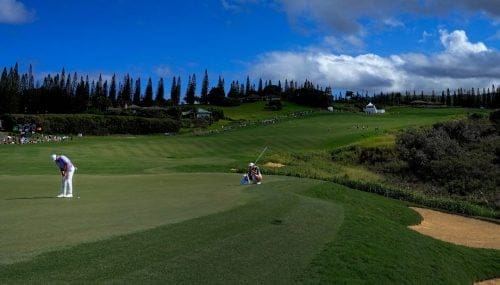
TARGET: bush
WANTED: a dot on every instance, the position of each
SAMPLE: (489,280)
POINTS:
(458,158)
(495,119)
(274,105)
(450,205)
(217,114)
(377,155)
(97,124)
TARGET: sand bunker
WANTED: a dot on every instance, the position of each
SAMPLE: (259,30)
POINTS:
(489,282)
(458,230)
(273,165)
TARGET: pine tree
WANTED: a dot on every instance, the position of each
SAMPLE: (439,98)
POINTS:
(220,85)
(191,90)
(124,96)
(98,87)
(31,78)
(160,93)
(112,91)
(3,92)
(204,89)
(148,95)
(234,90)
(247,86)
(136,99)
(178,88)
(448,97)
(172,90)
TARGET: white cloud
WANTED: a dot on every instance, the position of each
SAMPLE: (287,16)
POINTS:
(392,22)
(460,64)
(425,36)
(228,5)
(14,12)
(458,43)
(163,71)
(354,41)
(345,16)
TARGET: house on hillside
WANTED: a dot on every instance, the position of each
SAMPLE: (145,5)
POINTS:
(203,114)
(197,114)
(371,109)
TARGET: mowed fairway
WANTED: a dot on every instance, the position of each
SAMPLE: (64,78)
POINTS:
(34,221)
(169,209)
(254,233)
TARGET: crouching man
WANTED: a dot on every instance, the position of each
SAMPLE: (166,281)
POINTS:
(254,173)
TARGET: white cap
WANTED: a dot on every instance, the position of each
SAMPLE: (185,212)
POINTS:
(251,164)
(54,157)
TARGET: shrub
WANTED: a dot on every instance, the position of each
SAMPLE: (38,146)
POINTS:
(459,158)
(97,124)
(377,155)
(217,114)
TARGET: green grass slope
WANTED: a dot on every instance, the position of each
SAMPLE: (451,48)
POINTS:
(160,209)
(35,221)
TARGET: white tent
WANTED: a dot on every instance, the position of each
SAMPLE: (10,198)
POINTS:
(371,109)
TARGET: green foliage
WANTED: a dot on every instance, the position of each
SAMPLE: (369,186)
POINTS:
(217,114)
(216,96)
(310,96)
(447,204)
(459,157)
(274,105)
(377,155)
(97,124)
(495,119)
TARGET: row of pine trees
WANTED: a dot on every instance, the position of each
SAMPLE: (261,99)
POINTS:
(71,93)
(468,98)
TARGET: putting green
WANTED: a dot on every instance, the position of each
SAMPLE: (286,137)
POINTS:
(34,221)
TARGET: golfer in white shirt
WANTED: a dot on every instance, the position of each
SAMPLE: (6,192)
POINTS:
(67,169)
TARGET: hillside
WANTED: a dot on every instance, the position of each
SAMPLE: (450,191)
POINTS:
(170,209)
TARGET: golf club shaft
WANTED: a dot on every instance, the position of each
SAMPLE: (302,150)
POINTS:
(260,154)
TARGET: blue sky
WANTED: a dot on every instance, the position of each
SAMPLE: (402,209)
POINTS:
(360,45)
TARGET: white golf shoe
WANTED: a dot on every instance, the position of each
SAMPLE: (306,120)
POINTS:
(69,196)
(61,196)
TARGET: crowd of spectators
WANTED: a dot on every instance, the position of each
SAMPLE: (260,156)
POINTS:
(31,139)
(29,134)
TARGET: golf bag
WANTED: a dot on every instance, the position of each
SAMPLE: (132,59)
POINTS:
(246,179)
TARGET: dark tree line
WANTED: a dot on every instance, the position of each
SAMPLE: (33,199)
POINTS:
(74,93)
(469,98)
(71,93)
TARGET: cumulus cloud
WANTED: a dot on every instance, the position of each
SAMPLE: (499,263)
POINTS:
(345,16)
(458,43)
(488,7)
(460,64)
(14,12)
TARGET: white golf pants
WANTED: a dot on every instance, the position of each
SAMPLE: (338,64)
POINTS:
(67,182)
